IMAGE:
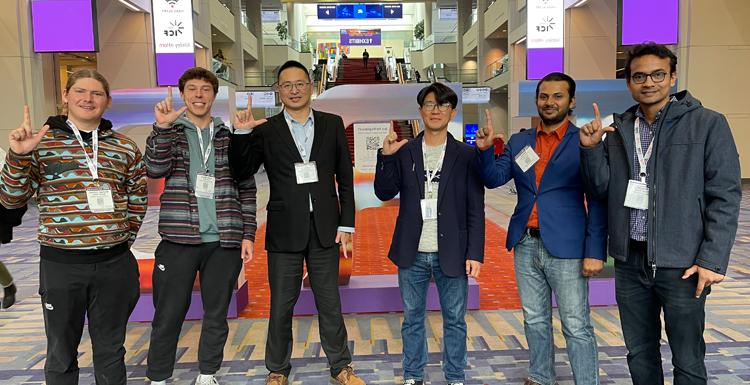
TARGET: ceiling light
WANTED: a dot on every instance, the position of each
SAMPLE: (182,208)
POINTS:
(197,45)
(521,40)
(580,3)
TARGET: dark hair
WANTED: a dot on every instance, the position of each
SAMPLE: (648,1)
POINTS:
(198,73)
(650,48)
(291,64)
(558,77)
(86,73)
(443,94)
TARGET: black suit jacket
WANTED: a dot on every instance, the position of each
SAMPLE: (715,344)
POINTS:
(460,204)
(288,220)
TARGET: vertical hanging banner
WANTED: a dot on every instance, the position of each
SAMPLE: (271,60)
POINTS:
(545,37)
(636,30)
(173,39)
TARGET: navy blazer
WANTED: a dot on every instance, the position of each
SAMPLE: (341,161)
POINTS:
(460,204)
(568,230)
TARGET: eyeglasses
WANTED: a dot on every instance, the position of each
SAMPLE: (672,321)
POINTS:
(287,86)
(656,76)
(429,106)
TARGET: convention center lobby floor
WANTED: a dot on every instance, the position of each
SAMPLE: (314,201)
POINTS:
(497,347)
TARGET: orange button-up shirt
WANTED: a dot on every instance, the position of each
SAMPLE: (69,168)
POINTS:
(545,148)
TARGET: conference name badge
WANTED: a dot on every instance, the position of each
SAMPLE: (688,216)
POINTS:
(526,158)
(306,172)
(100,199)
(636,196)
(204,186)
(429,208)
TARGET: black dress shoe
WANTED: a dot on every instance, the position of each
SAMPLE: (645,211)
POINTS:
(9,296)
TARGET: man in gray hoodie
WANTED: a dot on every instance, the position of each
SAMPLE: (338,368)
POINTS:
(670,172)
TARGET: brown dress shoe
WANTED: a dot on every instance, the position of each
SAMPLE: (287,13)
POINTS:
(347,377)
(529,382)
(276,379)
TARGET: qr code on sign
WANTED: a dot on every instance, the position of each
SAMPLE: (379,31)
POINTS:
(373,143)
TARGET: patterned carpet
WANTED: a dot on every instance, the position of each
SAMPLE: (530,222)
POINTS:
(497,352)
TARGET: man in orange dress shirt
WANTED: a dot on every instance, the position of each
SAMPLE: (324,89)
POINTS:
(558,235)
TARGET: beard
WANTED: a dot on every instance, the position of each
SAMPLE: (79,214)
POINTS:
(555,119)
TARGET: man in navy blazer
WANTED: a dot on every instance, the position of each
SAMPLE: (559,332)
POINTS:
(439,230)
(558,242)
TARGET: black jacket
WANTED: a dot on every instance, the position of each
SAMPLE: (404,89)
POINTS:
(460,204)
(288,221)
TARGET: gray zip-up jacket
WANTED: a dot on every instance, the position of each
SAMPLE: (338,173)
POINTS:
(695,191)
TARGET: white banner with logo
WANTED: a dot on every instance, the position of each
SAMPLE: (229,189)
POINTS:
(368,137)
(173,26)
(545,27)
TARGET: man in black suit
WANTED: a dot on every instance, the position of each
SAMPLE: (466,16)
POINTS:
(439,230)
(306,157)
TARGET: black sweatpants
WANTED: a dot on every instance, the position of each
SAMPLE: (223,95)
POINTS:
(175,268)
(106,292)
(285,281)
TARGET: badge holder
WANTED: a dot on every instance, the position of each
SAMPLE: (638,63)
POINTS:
(306,172)
(99,198)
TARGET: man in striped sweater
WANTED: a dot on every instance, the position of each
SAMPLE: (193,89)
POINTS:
(90,184)
(207,224)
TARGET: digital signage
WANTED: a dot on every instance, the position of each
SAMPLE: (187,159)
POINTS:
(173,39)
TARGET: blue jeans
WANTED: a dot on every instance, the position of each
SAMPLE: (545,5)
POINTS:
(413,283)
(539,274)
(641,298)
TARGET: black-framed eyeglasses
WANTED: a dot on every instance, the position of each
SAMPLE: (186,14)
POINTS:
(656,76)
(429,106)
(287,86)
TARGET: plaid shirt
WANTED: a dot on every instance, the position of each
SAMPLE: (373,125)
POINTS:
(639,218)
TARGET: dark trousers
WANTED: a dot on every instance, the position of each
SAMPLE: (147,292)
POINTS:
(175,268)
(106,293)
(285,280)
(641,297)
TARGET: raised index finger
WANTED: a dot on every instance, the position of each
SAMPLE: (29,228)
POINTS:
(26,116)
(169,97)
(488,116)
(250,104)
(597,115)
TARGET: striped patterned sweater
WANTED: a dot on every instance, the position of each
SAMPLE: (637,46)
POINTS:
(56,171)
(168,156)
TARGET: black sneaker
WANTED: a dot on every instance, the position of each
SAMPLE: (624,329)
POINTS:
(412,381)
(9,296)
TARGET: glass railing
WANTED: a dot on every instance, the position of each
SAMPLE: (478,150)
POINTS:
(260,78)
(273,39)
(223,70)
(497,68)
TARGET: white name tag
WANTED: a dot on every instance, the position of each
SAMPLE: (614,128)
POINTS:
(100,199)
(429,208)
(306,172)
(526,158)
(204,186)
(637,195)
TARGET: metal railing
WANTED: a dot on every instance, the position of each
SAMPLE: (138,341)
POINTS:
(260,78)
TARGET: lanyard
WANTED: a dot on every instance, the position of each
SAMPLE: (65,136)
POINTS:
(206,154)
(93,164)
(642,158)
(438,165)
(301,146)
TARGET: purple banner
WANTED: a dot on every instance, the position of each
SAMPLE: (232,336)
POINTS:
(360,36)
(170,66)
(541,61)
(64,26)
(637,26)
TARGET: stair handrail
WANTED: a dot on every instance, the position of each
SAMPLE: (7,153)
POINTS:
(323,79)
(415,128)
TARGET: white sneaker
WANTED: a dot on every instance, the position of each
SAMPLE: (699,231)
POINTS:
(206,379)
(162,382)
